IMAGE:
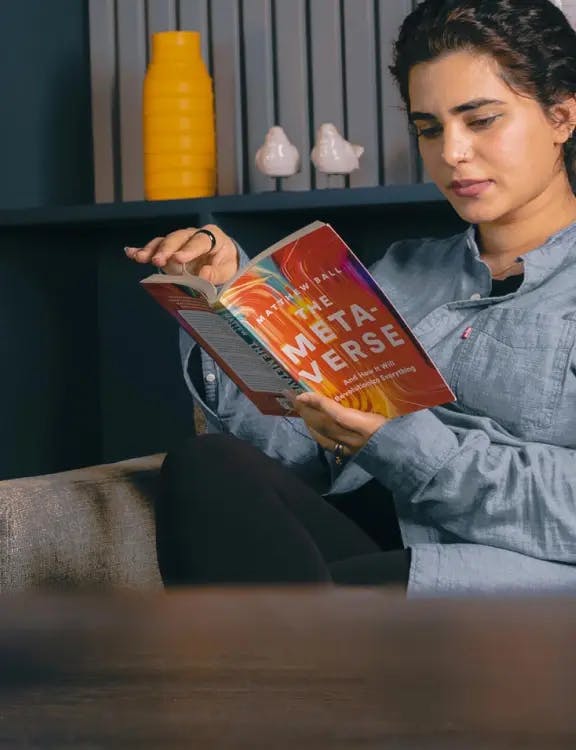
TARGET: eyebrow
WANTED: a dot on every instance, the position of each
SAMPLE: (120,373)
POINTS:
(466,107)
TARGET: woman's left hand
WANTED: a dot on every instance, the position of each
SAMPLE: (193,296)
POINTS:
(330,423)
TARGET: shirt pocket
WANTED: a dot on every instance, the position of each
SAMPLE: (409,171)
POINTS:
(513,367)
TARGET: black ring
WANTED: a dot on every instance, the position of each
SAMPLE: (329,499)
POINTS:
(209,234)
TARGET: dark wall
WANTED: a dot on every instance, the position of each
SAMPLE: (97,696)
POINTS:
(89,363)
(49,350)
(90,368)
(48,293)
(45,130)
(144,404)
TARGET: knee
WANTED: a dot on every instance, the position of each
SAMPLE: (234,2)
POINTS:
(202,453)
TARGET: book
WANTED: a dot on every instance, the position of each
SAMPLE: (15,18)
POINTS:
(306,315)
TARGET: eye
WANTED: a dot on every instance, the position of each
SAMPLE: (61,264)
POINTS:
(428,132)
(484,122)
(435,131)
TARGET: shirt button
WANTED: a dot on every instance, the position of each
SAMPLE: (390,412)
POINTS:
(210,378)
(475,296)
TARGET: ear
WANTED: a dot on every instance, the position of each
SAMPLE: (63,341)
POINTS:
(563,116)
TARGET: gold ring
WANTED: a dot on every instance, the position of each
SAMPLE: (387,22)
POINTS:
(339,454)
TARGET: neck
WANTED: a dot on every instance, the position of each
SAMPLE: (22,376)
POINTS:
(525,229)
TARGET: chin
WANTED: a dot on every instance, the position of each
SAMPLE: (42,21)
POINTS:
(476,213)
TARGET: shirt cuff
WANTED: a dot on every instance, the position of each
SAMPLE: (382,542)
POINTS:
(406,452)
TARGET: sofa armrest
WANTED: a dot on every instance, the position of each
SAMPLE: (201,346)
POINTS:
(91,527)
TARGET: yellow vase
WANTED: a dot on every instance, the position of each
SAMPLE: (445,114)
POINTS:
(178,120)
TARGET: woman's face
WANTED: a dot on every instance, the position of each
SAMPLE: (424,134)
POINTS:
(473,127)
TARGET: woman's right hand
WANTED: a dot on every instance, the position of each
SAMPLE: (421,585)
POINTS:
(183,249)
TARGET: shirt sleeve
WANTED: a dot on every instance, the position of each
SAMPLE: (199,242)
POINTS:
(520,497)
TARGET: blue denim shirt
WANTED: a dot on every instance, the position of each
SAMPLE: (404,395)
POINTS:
(485,488)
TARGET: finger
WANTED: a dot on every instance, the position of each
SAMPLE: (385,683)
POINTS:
(329,444)
(193,257)
(200,245)
(220,237)
(206,272)
(325,442)
(349,419)
(170,246)
(173,267)
(219,273)
(324,425)
(144,254)
(310,412)
(290,395)
(350,426)
(216,268)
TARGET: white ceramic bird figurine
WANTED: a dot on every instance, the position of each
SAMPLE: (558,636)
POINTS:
(332,153)
(277,157)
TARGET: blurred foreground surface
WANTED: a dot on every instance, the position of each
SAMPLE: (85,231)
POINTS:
(307,668)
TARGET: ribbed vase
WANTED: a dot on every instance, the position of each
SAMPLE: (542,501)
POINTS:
(178,124)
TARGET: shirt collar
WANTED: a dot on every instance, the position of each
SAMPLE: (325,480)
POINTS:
(558,250)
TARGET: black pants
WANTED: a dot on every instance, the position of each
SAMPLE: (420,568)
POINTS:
(230,514)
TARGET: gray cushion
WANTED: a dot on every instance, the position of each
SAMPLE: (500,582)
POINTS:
(91,527)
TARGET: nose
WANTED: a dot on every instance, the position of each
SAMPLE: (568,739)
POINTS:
(456,146)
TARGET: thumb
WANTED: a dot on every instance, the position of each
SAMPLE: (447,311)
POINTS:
(350,419)
(173,267)
(208,273)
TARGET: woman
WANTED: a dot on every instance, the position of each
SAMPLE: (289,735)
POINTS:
(484,489)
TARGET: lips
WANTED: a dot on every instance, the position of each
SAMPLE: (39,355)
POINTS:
(466,183)
(470,188)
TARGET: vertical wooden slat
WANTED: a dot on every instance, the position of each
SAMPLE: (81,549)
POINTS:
(362,88)
(327,73)
(160,16)
(292,84)
(132,68)
(228,94)
(103,93)
(259,77)
(399,156)
(194,17)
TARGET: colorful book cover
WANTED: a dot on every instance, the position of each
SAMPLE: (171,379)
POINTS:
(313,305)
(237,353)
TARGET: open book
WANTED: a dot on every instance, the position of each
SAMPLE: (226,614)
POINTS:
(306,315)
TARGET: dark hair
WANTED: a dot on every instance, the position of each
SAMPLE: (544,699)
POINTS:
(532,40)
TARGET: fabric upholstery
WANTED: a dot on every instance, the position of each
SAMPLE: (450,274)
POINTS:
(91,527)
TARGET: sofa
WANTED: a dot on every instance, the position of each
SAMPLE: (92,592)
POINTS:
(89,528)
(94,528)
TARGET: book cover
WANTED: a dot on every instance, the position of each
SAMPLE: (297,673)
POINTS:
(314,306)
(306,315)
(237,353)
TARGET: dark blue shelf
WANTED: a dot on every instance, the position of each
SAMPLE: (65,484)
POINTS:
(107,213)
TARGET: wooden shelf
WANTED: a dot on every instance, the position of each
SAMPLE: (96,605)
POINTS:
(280,201)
